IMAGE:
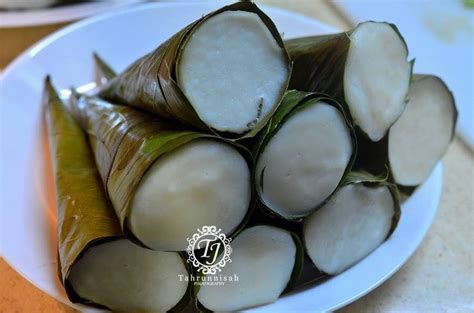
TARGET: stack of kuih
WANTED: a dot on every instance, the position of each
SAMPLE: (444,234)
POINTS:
(274,142)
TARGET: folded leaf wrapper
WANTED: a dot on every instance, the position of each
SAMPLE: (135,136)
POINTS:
(126,143)
(365,69)
(96,263)
(151,83)
(303,159)
(85,216)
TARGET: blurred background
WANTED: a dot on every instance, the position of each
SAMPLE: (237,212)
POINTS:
(440,35)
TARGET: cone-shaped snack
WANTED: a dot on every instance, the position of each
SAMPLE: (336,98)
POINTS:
(355,221)
(98,266)
(418,139)
(421,136)
(365,68)
(265,259)
(303,154)
(127,278)
(103,73)
(165,182)
(226,72)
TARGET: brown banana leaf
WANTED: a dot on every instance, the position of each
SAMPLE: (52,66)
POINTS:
(292,102)
(319,64)
(105,73)
(150,83)
(85,216)
(126,142)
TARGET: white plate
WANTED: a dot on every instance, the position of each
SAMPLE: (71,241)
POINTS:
(59,14)
(29,226)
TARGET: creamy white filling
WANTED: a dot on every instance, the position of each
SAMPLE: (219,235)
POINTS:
(421,136)
(376,78)
(128,278)
(204,182)
(263,258)
(354,222)
(233,71)
(304,161)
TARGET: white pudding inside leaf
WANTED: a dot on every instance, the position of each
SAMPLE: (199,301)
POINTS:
(127,278)
(422,134)
(233,71)
(376,78)
(353,223)
(304,161)
(204,182)
(263,258)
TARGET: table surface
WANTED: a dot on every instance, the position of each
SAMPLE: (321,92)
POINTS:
(439,277)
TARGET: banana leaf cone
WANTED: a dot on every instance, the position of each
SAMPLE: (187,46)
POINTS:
(317,140)
(103,72)
(87,224)
(127,143)
(357,69)
(254,244)
(308,273)
(78,186)
(417,140)
(364,213)
(151,83)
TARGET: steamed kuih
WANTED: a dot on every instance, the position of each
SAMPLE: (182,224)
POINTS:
(418,139)
(353,223)
(165,182)
(127,278)
(422,134)
(203,181)
(152,155)
(265,259)
(366,69)
(226,72)
(235,42)
(98,266)
(184,179)
(303,154)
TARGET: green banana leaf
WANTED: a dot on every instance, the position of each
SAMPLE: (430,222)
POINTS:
(150,83)
(85,216)
(292,102)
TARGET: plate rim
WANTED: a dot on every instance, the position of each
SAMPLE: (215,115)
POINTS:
(58,14)
(45,42)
